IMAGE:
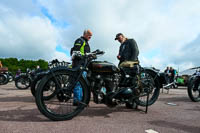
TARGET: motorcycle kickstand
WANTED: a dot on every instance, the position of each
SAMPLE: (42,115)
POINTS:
(147,103)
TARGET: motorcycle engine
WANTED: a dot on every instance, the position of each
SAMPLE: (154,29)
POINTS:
(103,87)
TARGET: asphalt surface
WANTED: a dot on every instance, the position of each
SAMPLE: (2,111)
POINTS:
(172,113)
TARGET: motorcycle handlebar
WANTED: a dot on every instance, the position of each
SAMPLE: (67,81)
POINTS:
(92,54)
(96,52)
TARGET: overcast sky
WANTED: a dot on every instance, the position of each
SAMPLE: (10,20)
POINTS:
(167,31)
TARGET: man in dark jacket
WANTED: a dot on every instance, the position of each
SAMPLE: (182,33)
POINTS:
(172,74)
(81,45)
(128,52)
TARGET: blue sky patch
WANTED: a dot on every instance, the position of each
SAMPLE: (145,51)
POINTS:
(54,21)
(152,53)
(59,48)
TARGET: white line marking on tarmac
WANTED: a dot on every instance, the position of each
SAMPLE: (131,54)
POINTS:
(172,104)
(151,131)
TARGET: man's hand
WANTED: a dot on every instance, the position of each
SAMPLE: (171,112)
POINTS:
(118,57)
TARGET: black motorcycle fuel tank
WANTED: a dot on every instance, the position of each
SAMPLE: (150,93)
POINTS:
(103,67)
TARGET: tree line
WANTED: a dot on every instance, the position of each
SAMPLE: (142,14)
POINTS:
(14,64)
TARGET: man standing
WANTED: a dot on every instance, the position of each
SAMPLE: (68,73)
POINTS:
(82,45)
(128,52)
(172,74)
(167,75)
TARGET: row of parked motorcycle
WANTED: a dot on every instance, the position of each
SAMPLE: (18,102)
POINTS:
(22,80)
(101,81)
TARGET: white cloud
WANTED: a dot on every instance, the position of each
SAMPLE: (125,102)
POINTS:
(166,27)
(61,56)
(30,37)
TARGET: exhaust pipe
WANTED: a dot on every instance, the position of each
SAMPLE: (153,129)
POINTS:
(123,93)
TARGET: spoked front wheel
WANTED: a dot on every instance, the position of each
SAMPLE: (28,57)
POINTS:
(35,84)
(62,102)
(3,79)
(149,85)
(194,90)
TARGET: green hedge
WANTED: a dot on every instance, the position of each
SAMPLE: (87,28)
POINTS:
(14,64)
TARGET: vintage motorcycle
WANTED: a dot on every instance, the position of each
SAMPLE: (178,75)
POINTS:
(23,80)
(4,76)
(38,76)
(10,77)
(194,87)
(109,85)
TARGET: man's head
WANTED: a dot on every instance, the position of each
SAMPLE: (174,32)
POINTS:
(120,37)
(87,34)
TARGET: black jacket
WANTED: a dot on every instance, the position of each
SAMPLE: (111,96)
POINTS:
(78,46)
(82,45)
(129,51)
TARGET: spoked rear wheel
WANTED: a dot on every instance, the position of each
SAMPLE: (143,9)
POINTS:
(149,85)
(23,82)
(60,102)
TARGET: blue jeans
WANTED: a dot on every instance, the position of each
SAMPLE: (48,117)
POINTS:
(78,90)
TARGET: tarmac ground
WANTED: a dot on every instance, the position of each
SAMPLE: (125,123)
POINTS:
(173,112)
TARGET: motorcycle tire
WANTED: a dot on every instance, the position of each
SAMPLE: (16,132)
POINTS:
(153,82)
(51,113)
(21,79)
(35,84)
(3,79)
(191,90)
(11,77)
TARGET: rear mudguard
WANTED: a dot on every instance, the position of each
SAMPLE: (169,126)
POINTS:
(156,75)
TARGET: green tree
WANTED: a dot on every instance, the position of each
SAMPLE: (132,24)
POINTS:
(14,64)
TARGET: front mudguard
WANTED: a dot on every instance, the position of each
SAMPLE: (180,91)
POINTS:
(63,68)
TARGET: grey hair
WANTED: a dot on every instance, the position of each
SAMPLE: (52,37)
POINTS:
(85,32)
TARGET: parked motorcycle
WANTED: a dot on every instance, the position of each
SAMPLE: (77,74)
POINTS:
(4,77)
(109,85)
(10,76)
(23,80)
(194,87)
(40,75)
